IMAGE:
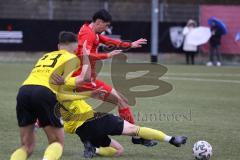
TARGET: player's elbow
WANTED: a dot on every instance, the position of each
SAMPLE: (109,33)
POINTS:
(87,79)
(79,81)
(82,80)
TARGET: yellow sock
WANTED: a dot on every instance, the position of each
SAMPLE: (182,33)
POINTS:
(53,151)
(152,134)
(19,154)
(106,151)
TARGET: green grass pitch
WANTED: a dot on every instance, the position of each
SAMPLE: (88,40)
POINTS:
(203,105)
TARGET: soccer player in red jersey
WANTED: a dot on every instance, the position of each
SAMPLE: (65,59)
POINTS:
(92,33)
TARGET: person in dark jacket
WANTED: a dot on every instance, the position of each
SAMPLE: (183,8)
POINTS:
(215,42)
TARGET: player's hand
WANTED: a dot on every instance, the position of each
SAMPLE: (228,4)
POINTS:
(86,52)
(139,43)
(57,79)
(114,52)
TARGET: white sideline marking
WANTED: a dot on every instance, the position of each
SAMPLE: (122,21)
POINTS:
(205,74)
(201,79)
(187,78)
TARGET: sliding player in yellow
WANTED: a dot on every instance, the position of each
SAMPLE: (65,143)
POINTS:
(94,128)
(36,98)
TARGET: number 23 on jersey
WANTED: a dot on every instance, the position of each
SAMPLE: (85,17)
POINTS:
(48,60)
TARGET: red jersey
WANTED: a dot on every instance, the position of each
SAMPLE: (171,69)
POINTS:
(93,41)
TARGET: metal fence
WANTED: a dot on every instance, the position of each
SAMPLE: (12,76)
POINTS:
(124,10)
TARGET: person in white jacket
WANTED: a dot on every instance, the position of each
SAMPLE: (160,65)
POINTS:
(189,49)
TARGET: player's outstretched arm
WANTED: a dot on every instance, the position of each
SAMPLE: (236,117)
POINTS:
(120,44)
(85,75)
(113,42)
(90,42)
(70,67)
(102,56)
(138,43)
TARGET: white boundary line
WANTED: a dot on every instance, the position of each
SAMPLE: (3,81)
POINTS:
(201,80)
(187,78)
(205,74)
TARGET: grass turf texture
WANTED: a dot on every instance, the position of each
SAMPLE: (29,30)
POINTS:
(203,105)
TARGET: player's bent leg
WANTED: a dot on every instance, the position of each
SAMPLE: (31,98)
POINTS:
(56,141)
(54,134)
(129,129)
(152,134)
(114,149)
(112,96)
(122,101)
(126,113)
(124,109)
(27,136)
(116,145)
(109,97)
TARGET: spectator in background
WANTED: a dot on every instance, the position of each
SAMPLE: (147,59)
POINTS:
(237,37)
(215,42)
(189,49)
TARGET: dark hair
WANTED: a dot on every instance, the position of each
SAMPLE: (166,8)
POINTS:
(103,15)
(67,37)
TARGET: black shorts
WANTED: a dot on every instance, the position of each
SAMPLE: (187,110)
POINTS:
(97,130)
(37,102)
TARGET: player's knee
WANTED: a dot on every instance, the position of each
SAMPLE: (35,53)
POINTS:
(29,148)
(120,151)
(123,99)
(60,140)
(122,103)
(129,129)
(29,145)
(57,136)
(56,139)
(133,129)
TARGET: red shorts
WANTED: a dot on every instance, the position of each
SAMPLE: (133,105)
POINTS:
(96,85)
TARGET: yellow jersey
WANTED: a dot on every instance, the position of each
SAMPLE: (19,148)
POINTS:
(76,111)
(74,114)
(61,62)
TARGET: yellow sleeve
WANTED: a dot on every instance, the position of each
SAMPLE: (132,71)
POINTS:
(71,66)
(70,81)
(64,95)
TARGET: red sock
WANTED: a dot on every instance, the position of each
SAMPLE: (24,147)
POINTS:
(126,114)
